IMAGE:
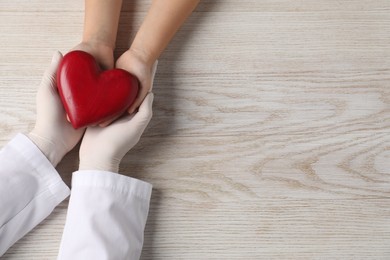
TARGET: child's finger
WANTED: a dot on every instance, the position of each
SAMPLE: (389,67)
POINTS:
(108,122)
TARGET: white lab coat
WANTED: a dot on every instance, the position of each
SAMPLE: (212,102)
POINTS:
(107,212)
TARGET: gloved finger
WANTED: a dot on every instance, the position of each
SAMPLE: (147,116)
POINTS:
(136,123)
(146,107)
(55,62)
(139,120)
(154,69)
(49,78)
(145,111)
(142,92)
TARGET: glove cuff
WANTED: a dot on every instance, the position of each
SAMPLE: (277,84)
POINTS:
(53,152)
(99,164)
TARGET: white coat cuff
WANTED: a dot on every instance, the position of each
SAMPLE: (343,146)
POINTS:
(113,181)
(44,170)
(35,185)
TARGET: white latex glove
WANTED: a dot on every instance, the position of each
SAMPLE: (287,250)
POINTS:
(103,148)
(52,133)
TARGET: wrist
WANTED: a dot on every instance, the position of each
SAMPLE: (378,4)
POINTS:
(102,52)
(98,165)
(50,149)
(136,63)
(99,43)
(143,55)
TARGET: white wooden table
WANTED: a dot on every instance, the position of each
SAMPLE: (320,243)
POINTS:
(271,129)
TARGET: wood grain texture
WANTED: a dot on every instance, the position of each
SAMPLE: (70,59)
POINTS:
(271,129)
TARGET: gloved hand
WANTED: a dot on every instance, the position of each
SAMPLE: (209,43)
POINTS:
(52,133)
(103,148)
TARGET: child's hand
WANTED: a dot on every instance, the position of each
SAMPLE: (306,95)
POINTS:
(102,53)
(133,63)
(145,73)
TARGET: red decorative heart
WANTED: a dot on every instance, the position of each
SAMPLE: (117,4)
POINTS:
(90,95)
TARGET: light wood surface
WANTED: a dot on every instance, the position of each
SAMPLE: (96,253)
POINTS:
(271,129)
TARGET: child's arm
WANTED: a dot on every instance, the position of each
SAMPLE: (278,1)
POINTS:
(160,25)
(164,18)
(101,21)
(100,28)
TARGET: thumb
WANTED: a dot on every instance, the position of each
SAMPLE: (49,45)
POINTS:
(55,60)
(49,78)
(145,111)
(138,121)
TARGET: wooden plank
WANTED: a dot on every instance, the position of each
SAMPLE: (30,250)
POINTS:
(229,6)
(266,229)
(269,229)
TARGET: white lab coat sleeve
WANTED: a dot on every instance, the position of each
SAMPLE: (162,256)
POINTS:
(106,217)
(30,188)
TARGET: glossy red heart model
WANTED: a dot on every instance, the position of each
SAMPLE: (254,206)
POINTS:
(90,95)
